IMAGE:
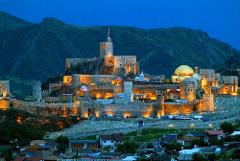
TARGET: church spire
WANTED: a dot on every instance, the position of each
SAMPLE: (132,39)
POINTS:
(108,35)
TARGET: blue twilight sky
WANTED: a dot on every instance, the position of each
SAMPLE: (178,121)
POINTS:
(219,18)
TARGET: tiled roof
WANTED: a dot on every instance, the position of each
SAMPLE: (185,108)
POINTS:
(198,134)
(215,132)
(114,137)
(171,136)
(118,137)
(23,158)
(106,137)
(189,138)
(83,141)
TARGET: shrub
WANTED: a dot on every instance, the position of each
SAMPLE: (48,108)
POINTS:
(174,146)
(62,143)
(199,157)
(127,147)
(227,127)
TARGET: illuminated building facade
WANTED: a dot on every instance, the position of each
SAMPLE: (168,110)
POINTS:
(67,80)
(126,63)
(230,85)
(4,88)
(4,104)
(174,108)
(188,89)
(4,94)
(106,48)
(209,79)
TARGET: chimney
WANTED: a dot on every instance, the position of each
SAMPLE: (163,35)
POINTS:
(196,70)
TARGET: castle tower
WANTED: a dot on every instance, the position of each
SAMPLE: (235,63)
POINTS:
(163,106)
(106,48)
(128,94)
(188,89)
(196,70)
(76,80)
(37,91)
(235,85)
(208,100)
(141,76)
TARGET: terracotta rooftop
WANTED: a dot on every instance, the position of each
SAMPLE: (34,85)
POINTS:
(115,137)
(24,158)
(197,134)
(215,132)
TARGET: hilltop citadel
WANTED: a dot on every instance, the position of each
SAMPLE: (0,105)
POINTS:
(114,86)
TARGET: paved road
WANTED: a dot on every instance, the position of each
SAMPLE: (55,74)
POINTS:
(174,124)
(227,109)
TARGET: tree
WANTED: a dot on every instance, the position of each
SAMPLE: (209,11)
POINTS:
(62,143)
(215,141)
(212,157)
(8,155)
(198,142)
(199,157)
(174,146)
(130,75)
(107,148)
(227,127)
(127,147)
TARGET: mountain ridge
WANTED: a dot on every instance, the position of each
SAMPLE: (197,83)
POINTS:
(36,51)
(8,22)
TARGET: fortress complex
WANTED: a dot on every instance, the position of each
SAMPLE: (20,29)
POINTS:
(117,88)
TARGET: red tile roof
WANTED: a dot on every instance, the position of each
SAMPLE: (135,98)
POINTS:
(113,137)
(24,158)
(215,132)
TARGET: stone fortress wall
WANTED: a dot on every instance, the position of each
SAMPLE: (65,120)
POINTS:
(85,109)
(73,62)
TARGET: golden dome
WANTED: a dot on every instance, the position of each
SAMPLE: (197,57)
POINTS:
(184,70)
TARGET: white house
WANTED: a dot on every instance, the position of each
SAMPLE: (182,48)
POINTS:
(110,141)
(187,154)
